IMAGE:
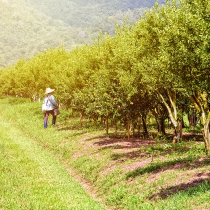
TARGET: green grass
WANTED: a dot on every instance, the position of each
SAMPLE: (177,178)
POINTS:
(31,178)
(34,163)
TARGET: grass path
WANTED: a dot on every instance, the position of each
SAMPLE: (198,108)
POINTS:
(31,178)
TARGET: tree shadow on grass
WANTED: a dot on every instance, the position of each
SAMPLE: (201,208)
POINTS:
(72,134)
(191,187)
(135,140)
(135,148)
(180,163)
(129,155)
(149,150)
(122,143)
(192,136)
(68,128)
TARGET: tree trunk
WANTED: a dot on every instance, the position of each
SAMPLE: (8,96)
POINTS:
(143,117)
(107,125)
(139,126)
(181,127)
(115,129)
(81,119)
(133,128)
(172,112)
(192,118)
(128,126)
(161,125)
(200,101)
(95,122)
(178,132)
(206,136)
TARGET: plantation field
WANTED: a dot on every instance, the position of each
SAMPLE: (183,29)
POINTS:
(68,167)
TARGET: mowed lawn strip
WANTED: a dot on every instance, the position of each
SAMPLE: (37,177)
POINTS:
(30,178)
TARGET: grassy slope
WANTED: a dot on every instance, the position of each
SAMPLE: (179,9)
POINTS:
(124,178)
(30,178)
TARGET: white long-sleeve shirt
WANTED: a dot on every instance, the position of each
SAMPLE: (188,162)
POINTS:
(50,102)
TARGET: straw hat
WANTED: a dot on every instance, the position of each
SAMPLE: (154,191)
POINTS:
(49,90)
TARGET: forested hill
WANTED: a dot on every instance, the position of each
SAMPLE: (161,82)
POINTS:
(31,26)
(25,31)
(81,13)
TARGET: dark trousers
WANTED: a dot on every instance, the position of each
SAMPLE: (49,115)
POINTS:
(46,116)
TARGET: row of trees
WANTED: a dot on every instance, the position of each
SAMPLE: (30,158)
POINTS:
(158,65)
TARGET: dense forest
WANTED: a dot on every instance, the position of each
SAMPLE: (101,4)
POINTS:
(28,27)
(159,65)
(84,13)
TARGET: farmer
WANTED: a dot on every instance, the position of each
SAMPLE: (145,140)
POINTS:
(49,104)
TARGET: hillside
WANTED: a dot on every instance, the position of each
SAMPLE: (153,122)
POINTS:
(28,27)
(25,31)
(82,13)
